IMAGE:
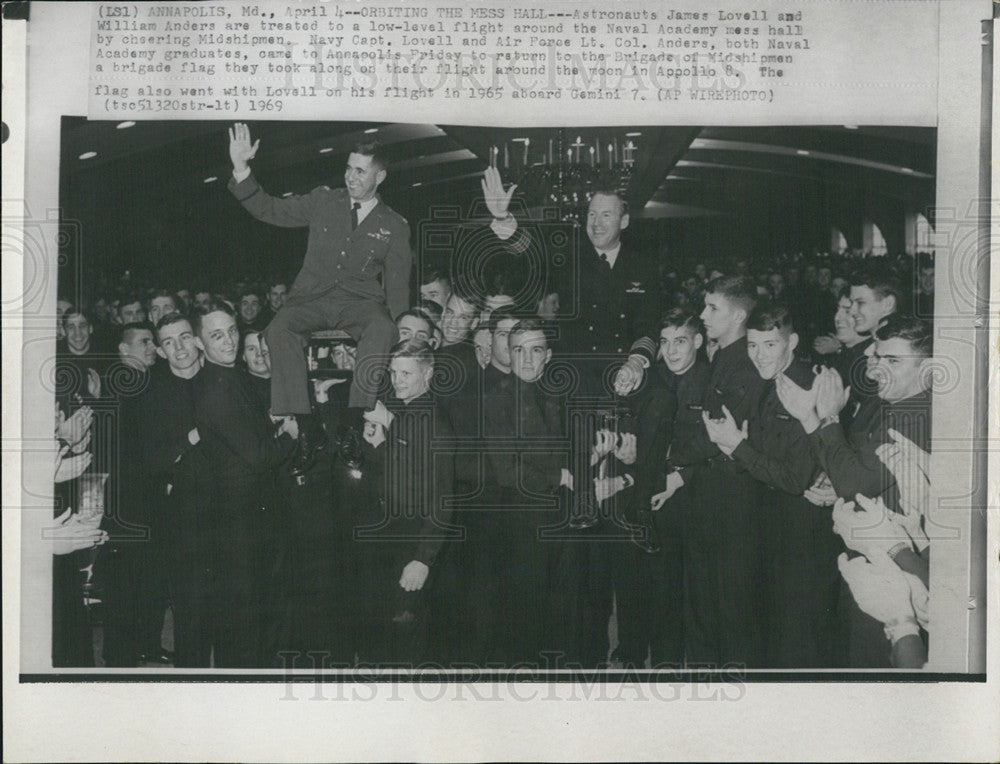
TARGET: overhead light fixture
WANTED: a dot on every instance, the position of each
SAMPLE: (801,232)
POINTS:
(88,155)
(802,152)
(632,135)
(123,125)
(325,150)
(418,183)
(371,130)
(210,179)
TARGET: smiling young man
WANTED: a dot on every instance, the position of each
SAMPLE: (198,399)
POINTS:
(400,537)
(900,365)
(798,544)
(355,277)
(724,593)
(180,487)
(516,593)
(244,452)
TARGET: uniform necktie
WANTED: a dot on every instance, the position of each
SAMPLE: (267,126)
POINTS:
(354,214)
(604,261)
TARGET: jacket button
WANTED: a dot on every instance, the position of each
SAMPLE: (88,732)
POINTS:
(590,328)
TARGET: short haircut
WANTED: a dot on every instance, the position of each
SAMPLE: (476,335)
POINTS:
(883,282)
(75,311)
(248,291)
(739,290)
(244,336)
(532,324)
(275,282)
(845,292)
(417,349)
(215,305)
(130,298)
(504,313)
(617,193)
(430,309)
(475,300)
(918,332)
(771,315)
(168,320)
(126,331)
(435,274)
(416,313)
(154,293)
(372,149)
(682,318)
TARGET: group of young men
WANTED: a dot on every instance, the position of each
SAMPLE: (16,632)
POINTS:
(511,472)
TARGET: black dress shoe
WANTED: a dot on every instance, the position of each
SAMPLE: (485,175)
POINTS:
(311,437)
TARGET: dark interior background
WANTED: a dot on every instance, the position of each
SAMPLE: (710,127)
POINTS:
(143,203)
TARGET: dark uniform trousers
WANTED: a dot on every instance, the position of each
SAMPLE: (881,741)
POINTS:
(249,542)
(724,623)
(411,477)
(798,545)
(351,279)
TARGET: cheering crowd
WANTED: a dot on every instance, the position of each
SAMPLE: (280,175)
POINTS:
(725,462)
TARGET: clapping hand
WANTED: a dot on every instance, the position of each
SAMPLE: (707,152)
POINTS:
(74,429)
(798,402)
(831,395)
(723,432)
(909,464)
(868,528)
(497,200)
(241,151)
(72,534)
(71,467)
(883,592)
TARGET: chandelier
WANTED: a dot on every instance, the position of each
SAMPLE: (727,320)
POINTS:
(566,172)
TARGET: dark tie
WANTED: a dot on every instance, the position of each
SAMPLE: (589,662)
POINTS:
(354,214)
(604,262)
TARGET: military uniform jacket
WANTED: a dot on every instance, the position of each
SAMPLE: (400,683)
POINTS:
(237,436)
(613,307)
(849,460)
(776,451)
(525,438)
(372,262)
(413,472)
(733,382)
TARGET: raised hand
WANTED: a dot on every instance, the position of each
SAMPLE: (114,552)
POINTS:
(497,200)
(241,151)
(604,444)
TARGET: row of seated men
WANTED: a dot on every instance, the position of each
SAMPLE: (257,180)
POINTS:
(507,495)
